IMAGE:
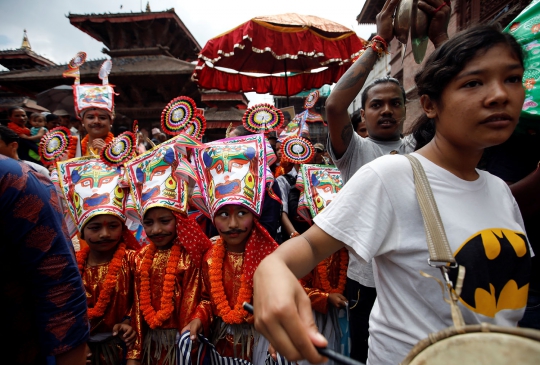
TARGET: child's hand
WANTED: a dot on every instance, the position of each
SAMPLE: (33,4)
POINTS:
(194,327)
(98,144)
(129,335)
(41,132)
(337,300)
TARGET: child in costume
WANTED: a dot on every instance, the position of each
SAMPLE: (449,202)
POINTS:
(167,281)
(94,106)
(233,175)
(96,194)
(325,285)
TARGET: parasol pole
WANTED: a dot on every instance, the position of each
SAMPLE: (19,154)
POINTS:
(286,81)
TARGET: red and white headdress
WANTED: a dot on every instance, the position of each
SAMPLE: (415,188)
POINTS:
(232,171)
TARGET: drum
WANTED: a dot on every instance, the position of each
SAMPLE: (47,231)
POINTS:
(481,344)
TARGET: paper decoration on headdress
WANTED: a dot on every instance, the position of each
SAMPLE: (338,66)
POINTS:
(92,188)
(74,65)
(196,126)
(54,144)
(296,150)
(232,171)
(296,127)
(90,95)
(120,150)
(263,118)
(318,185)
(177,114)
(104,71)
(135,126)
(311,99)
(158,178)
(313,117)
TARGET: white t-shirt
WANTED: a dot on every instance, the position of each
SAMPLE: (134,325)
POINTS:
(360,152)
(377,215)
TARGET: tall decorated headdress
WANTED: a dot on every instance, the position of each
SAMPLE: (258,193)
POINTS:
(232,171)
(182,116)
(90,96)
(318,185)
(158,178)
(91,188)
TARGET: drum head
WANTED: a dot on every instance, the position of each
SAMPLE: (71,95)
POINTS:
(498,346)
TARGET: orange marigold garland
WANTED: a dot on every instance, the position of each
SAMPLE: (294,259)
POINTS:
(110,280)
(227,314)
(72,149)
(84,143)
(322,269)
(155,318)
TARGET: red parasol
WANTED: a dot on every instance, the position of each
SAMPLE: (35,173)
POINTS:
(282,50)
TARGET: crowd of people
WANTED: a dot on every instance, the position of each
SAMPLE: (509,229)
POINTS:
(144,252)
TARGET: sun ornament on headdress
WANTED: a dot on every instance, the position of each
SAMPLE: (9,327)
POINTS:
(54,144)
(318,185)
(263,118)
(120,150)
(232,171)
(196,126)
(92,188)
(177,114)
(297,150)
(311,99)
(158,178)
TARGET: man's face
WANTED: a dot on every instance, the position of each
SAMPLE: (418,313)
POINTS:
(18,116)
(9,150)
(97,123)
(384,112)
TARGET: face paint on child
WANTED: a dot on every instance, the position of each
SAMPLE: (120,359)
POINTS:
(234,223)
(160,227)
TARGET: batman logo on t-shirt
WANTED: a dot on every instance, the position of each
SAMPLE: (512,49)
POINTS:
(497,263)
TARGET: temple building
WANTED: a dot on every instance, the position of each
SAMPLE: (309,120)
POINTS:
(153,56)
(22,58)
(465,13)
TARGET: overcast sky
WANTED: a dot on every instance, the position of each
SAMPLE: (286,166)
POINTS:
(52,36)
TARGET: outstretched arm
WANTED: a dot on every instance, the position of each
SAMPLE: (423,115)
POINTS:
(286,319)
(350,84)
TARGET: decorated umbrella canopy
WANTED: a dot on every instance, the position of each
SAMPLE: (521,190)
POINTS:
(281,55)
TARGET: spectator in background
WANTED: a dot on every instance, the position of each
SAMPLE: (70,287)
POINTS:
(9,143)
(65,119)
(17,123)
(155,133)
(359,124)
(52,121)
(41,292)
(37,121)
(320,158)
